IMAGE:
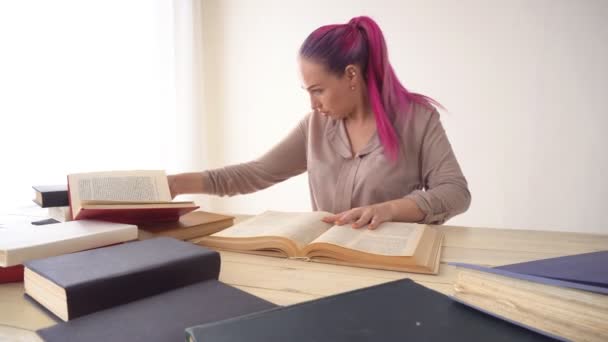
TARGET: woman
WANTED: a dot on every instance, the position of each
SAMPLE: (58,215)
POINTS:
(374,151)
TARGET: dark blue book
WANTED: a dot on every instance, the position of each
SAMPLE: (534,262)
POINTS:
(48,196)
(565,296)
(396,311)
(159,318)
(77,284)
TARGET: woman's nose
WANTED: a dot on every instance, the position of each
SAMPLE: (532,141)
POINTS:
(315,105)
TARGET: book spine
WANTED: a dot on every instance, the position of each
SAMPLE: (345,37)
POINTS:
(112,291)
(11,274)
(54,199)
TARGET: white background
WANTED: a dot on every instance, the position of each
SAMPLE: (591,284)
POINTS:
(91,86)
(524,82)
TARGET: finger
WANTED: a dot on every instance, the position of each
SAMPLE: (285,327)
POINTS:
(375,223)
(365,218)
(348,217)
(330,219)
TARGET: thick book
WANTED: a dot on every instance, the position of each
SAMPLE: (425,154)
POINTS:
(160,318)
(396,311)
(48,196)
(11,274)
(392,246)
(77,284)
(191,225)
(23,242)
(61,214)
(136,197)
(565,296)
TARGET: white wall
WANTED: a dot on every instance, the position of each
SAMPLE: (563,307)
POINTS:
(523,81)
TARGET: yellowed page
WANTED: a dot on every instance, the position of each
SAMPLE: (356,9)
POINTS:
(130,186)
(301,228)
(390,238)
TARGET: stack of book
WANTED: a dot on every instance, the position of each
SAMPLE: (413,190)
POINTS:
(55,198)
(99,209)
(23,242)
(137,197)
(149,290)
(565,297)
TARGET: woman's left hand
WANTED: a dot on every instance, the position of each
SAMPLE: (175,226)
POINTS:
(371,215)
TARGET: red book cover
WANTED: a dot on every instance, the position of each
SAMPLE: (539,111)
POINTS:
(135,216)
(11,274)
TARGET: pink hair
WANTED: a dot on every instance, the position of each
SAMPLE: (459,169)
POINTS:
(362,43)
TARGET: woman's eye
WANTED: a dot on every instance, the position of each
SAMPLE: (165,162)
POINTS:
(317,91)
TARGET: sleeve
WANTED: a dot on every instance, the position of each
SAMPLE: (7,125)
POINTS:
(284,160)
(446,191)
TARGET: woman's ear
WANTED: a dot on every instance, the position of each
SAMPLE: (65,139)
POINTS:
(351,71)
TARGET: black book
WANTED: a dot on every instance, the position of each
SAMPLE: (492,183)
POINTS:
(159,318)
(73,285)
(397,311)
(48,196)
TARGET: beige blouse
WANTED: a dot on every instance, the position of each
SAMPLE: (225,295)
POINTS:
(426,171)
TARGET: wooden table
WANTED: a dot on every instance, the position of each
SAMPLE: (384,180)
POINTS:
(284,281)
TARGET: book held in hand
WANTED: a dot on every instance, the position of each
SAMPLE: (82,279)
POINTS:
(136,197)
(191,225)
(48,196)
(77,284)
(23,242)
(565,296)
(392,246)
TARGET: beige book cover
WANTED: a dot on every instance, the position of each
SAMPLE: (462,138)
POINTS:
(23,242)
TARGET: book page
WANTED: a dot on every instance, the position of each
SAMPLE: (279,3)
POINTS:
(299,227)
(390,238)
(129,186)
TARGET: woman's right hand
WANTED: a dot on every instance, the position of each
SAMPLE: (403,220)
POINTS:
(172,180)
(185,183)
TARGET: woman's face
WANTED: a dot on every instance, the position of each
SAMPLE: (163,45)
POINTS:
(330,95)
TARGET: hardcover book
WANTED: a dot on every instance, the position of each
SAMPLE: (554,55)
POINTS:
(392,246)
(565,296)
(137,197)
(23,242)
(191,225)
(48,196)
(160,318)
(77,284)
(396,311)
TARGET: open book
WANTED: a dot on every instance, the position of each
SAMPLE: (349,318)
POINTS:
(124,196)
(392,246)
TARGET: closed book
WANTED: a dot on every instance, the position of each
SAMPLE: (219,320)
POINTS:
(191,225)
(396,311)
(77,284)
(159,318)
(11,274)
(565,296)
(48,196)
(21,242)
